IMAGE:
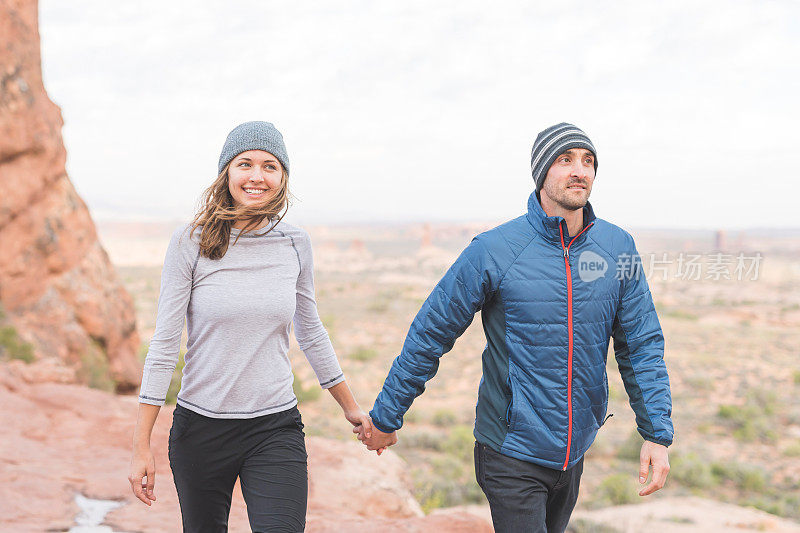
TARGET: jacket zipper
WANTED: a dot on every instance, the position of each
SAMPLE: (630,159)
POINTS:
(569,333)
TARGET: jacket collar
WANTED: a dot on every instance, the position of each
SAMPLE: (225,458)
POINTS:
(547,226)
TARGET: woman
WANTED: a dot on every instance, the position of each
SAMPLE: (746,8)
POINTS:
(240,276)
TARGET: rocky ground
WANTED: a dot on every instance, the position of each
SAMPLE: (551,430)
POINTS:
(63,439)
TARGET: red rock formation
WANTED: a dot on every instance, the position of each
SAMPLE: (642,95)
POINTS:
(57,285)
(62,439)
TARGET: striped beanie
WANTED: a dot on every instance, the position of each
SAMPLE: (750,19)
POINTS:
(552,142)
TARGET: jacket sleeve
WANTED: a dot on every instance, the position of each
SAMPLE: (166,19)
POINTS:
(443,317)
(639,350)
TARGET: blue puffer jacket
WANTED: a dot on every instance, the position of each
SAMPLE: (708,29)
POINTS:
(549,309)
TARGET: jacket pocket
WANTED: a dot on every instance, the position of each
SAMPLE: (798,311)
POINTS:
(600,406)
(511,413)
(605,399)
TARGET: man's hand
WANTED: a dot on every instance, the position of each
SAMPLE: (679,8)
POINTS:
(654,455)
(379,440)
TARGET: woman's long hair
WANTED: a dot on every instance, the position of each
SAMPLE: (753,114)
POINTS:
(217,213)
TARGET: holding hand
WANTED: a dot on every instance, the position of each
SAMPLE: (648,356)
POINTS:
(362,424)
(364,432)
(378,441)
(361,421)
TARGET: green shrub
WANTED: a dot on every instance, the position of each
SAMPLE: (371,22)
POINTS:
(421,440)
(615,392)
(459,443)
(177,378)
(411,417)
(680,520)
(766,400)
(448,482)
(446,476)
(796,377)
(631,447)
(94,370)
(745,477)
(691,470)
(793,450)
(379,306)
(752,480)
(681,315)
(582,525)
(143,349)
(328,321)
(700,383)
(755,419)
(444,418)
(13,347)
(303,395)
(616,489)
(780,504)
(363,354)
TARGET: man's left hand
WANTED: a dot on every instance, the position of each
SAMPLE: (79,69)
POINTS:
(654,455)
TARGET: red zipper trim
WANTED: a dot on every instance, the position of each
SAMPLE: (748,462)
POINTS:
(569,332)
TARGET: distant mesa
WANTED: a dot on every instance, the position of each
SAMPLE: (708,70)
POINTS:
(59,293)
(357,246)
(720,240)
(427,238)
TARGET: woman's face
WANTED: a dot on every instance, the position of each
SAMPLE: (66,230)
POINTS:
(253,176)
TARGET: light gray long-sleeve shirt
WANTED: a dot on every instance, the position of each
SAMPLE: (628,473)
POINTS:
(239,312)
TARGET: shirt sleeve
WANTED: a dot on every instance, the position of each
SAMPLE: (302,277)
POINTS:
(173,300)
(308,328)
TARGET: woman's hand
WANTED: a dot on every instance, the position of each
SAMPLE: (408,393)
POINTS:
(362,423)
(362,426)
(143,465)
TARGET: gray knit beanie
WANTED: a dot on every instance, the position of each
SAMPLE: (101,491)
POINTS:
(552,142)
(256,135)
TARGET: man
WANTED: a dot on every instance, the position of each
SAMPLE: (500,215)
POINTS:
(553,287)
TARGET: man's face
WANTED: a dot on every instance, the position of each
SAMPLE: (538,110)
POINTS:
(569,179)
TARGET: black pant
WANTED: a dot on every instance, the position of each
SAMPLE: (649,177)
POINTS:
(267,454)
(525,497)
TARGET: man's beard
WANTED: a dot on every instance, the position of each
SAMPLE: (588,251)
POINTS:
(564,201)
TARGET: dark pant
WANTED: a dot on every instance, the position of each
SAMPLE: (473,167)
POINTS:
(267,454)
(525,497)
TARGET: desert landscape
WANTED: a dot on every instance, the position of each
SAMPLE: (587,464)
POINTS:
(732,353)
(78,301)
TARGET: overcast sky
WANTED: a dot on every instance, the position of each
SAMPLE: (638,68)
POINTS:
(427,110)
